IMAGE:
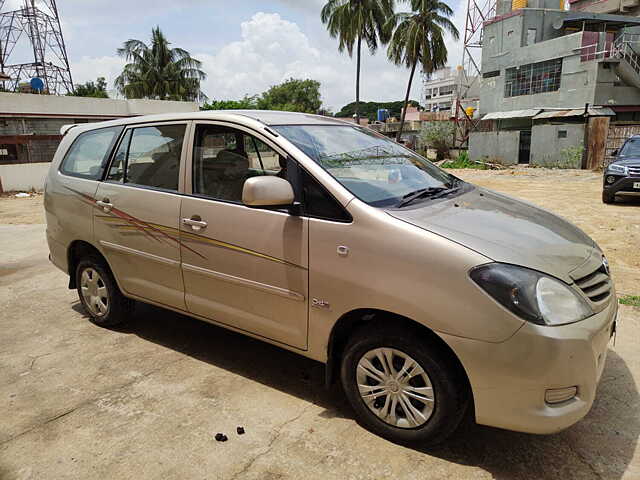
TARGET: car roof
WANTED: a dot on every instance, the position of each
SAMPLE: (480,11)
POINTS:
(274,117)
(266,117)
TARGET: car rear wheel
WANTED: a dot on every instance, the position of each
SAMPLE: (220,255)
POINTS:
(100,295)
(608,198)
(403,387)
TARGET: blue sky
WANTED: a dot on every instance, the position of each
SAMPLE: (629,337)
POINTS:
(245,45)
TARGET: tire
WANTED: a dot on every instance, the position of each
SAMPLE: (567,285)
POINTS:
(608,198)
(449,386)
(99,293)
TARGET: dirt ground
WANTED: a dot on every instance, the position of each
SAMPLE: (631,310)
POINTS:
(21,211)
(145,400)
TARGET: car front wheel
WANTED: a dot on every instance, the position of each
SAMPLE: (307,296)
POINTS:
(403,387)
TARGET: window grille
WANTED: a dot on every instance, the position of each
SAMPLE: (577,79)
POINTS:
(533,78)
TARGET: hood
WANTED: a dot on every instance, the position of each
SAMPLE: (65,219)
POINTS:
(505,230)
(630,160)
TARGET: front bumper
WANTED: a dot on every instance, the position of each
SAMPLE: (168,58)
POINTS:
(622,186)
(509,379)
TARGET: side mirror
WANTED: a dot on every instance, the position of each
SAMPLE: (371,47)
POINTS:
(614,153)
(267,191)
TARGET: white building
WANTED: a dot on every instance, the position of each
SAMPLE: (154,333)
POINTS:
(440,90)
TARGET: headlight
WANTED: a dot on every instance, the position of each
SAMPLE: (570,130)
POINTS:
(617,168)
(531,295)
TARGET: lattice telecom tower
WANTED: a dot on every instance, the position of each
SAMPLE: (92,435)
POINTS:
(32,47)
(478,12)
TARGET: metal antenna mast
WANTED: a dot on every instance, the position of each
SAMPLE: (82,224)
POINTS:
(33,34)
(469,78)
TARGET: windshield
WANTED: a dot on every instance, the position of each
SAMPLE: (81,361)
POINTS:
(631,148)
(371,166)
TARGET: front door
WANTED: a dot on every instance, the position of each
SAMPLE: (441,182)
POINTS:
(243,267)
(136,222)
(524,151)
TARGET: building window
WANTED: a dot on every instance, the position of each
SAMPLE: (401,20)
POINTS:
(493,73)
(533,78)
(531,36)
(447,90)
(562,134)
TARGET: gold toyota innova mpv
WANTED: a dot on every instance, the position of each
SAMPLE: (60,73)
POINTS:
(427,296)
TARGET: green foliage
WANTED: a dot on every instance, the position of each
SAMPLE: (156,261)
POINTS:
(245,103)
(569,157)
(294,95)
(437,135)
(355,21)
(633,300)
(91,89)
(158,72)
(418,39)
(463,162)
(370,109)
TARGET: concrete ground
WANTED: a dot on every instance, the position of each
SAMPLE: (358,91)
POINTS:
(144,401)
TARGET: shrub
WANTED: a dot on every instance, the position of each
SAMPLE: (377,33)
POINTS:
(439,136)
(463,162)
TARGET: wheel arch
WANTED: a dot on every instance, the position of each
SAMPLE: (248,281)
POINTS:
(354,320)
(77,250)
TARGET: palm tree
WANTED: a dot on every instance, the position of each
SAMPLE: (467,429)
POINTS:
(352,21)
(419,39)
(159,72)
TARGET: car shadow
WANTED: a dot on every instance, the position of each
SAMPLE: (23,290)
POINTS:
(602,445)
(627,202)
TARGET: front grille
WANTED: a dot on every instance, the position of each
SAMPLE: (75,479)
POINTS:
(634,171)
(596,286)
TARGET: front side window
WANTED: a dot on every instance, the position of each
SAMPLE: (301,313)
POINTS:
(374,168)
(223,158)
(150,157)
(88,154)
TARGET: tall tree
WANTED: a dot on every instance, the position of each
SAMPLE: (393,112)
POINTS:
(294,95)
(418,38)
(158,72)
(351,22)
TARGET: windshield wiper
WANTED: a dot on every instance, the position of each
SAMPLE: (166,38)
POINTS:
(422,193)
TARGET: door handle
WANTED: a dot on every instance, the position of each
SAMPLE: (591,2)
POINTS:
(195,223)
(106,206)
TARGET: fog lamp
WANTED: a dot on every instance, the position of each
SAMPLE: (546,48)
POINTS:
(559,395)
(610,179)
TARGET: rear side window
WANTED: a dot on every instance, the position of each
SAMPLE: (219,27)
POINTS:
(89,153)
(150,157)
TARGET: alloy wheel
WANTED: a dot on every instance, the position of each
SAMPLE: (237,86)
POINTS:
(94,292)
(395,387)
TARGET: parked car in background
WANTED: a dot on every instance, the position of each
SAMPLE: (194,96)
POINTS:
(427,296)
(622,176)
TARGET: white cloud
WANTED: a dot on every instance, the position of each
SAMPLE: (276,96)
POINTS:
(89,68)
(273,49)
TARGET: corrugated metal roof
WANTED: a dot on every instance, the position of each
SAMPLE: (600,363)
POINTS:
(531,112)
(576,112)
